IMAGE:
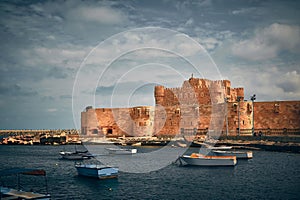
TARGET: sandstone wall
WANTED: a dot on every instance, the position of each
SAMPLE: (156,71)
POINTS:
(277,114)
(199,104)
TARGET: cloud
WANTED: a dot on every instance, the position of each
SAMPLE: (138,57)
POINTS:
(16,90)
(269,42)
(125,87)
(269,83)
(68,55)
(244,11)
(126,94)
(290,82)
(57,73)
(210,43)
(51,110)
(189,22)
(65,96)
(47,98)
(102,15)
(105,90)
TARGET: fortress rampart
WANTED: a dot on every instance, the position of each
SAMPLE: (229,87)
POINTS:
(191,106)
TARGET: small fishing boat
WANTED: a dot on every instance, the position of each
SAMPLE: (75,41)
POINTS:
(77,155)
(203,160)
(217,147)
(7,193)
(97,171)
(121,151)
(238,154)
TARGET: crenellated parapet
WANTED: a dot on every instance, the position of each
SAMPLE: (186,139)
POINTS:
(199,91)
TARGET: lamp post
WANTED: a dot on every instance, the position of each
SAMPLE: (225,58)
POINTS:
(238,100)
(226,110)
(253,97)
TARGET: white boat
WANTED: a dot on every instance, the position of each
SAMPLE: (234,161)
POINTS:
(238,154)
(121,151)
(97,171)
(202,160)
(217,147)
(75,155)
(136,144)
(7,193)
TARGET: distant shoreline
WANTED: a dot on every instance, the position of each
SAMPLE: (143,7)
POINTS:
(267,143)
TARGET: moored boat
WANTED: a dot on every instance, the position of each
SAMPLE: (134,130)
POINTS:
(121,151)
(203,160)
(136,144)
(75,155)
(11,193)
(217,147)
(97,171)
(238,154)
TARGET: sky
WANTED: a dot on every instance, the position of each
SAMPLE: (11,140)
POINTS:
(59,56)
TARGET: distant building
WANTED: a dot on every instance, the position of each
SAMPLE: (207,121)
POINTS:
(197,104)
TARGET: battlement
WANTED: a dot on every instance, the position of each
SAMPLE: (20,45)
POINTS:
(205,91)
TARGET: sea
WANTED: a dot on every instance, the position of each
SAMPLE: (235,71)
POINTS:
(269,175)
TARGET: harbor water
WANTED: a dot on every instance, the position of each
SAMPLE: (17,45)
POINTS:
(269,175)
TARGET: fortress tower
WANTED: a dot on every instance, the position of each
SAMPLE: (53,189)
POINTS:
(159,93)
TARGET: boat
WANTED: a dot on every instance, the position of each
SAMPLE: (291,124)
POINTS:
(180,144)
(121,151)
(136,144)
(198,159)
(97,171)
(7,193)
(238,154)
(207,146)
(77,155)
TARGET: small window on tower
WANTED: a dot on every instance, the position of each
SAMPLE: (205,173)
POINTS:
(235,107)
(249,107)
(147,111)
(276,108)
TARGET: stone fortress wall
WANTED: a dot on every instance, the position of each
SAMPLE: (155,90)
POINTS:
(198,103)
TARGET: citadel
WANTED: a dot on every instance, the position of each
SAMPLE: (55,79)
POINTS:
(199,104)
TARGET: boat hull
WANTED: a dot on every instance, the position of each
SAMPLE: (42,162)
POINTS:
(210,160)
(238,154)
(97,171)
(75,155)
(121,151)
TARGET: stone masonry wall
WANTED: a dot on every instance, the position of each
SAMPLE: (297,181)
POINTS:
(277,114)
(191,106)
